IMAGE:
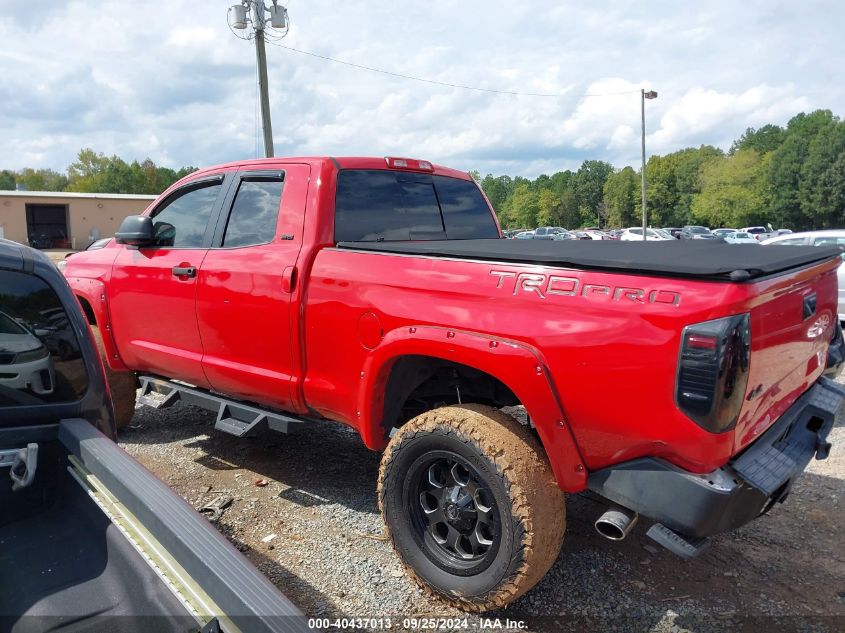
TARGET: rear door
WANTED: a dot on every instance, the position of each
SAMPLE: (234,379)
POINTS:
(153,289)
(245,286)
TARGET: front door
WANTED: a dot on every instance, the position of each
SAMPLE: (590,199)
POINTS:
(152,293)
(245,286)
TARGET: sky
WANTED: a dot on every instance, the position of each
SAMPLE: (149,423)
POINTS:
(171,81)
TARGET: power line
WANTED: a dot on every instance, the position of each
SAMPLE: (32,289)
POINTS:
(441,83)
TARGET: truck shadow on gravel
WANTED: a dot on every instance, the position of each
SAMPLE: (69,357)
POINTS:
(322,463)
(780,573)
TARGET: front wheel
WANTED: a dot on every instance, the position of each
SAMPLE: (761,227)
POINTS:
(471,505)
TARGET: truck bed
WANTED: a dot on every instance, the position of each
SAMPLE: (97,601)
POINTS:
(65,564)
(67,561)
(693,259)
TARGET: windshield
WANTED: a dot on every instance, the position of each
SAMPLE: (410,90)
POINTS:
(698,229)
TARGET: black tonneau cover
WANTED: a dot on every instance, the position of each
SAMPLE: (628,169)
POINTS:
(676,258)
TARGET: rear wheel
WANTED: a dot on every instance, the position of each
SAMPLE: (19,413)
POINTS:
(471,505)
(122,384)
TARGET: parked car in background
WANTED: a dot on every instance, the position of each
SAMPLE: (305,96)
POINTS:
(581,235)
(739,237)
(760,233)
(547,232)
(524,235)
(693,232)
(828,237)
(674,231)
(564,235)
(25,361)
(664,233)
(723,232)
(832,237)
(596,234)
(635,234)
(93,246)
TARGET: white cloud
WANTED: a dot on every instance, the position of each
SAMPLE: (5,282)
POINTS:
(170,81)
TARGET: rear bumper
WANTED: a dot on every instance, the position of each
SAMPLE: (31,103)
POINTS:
(702,505)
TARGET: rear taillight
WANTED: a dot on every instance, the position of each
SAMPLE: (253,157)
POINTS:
(713,371)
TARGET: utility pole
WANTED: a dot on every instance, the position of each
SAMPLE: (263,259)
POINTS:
(644,94)
(261,57)
(253,11)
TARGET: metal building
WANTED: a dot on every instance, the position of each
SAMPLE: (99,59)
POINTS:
(64,220)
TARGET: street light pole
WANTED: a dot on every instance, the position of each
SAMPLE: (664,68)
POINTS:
(645,94)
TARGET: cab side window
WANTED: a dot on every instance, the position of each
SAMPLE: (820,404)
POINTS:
(182,220)
(254,213)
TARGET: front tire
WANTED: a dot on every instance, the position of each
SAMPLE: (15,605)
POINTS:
(471,505)
(123,386)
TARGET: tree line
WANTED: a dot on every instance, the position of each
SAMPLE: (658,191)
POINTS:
(96,173)
(791,177)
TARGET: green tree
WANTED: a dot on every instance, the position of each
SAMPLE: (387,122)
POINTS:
(821,191)
(672,181)
(548,208)
(621,192)
(524,207)
(786,167)
(41,179)
(767,139)
(7,180)
(497,190)
(732,191)
(589,188)
(98,173)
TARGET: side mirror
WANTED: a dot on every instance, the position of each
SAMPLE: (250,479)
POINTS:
(135,230)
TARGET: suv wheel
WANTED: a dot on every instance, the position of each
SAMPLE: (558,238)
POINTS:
(471,505)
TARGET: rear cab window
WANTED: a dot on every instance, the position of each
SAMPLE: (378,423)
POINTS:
(382,205)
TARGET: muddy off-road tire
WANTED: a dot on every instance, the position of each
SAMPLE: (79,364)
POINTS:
(122,384)
(471,505)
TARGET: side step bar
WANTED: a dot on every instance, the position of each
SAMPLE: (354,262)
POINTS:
(233,417)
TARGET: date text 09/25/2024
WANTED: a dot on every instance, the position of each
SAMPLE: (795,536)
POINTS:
(417,624)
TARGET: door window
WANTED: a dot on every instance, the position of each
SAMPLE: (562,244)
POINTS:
(254,213)
(182,220)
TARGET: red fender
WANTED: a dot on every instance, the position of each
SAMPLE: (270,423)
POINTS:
(94,292)
(519,366)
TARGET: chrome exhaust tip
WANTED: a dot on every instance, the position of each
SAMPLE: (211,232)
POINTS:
(616,523)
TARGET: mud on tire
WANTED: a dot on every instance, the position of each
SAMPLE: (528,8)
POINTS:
(471,506)
(122,384)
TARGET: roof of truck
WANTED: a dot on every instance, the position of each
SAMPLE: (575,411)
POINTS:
(341,162)
(687,258)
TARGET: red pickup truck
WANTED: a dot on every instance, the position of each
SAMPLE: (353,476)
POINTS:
(679,381)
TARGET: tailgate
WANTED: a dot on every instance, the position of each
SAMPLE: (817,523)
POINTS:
(793,318)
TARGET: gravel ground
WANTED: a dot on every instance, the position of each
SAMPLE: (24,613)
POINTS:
(304,511)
